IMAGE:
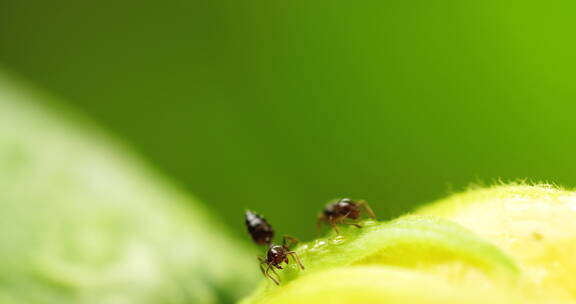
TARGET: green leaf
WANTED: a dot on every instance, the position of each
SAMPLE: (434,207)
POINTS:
(85,221)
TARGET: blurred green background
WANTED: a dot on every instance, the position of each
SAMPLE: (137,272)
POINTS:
(280,106)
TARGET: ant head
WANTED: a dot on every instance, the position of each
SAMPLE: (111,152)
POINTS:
(276,254)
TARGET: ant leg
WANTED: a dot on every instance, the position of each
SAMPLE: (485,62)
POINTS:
(262,266)
(334,226)
(296,258)
(319,220)
(366,207)
(267,274)
(274,270)
(275,273)
(288,240)
(352,224)
(344,217)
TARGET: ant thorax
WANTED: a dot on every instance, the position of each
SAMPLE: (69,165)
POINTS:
(342,208)
(348,208)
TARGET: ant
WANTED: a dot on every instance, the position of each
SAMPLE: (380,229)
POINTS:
(259,229)
(276,255)
(262,234)
(336,213)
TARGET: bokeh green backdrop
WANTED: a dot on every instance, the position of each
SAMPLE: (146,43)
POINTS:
(281,105)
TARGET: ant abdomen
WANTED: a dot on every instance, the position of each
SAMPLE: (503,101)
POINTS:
(258,228)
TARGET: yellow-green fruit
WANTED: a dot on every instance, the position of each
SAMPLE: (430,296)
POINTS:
(535,225)
(382,284)
(414,259)
(505,244)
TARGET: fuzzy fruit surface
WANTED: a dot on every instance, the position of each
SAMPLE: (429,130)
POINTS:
(503,244)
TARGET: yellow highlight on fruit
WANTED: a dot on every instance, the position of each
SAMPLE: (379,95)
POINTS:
(534,225)
(381,284)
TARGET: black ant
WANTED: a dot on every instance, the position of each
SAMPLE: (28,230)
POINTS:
(262,233)
(336,213)
(276,255)
(259,229)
